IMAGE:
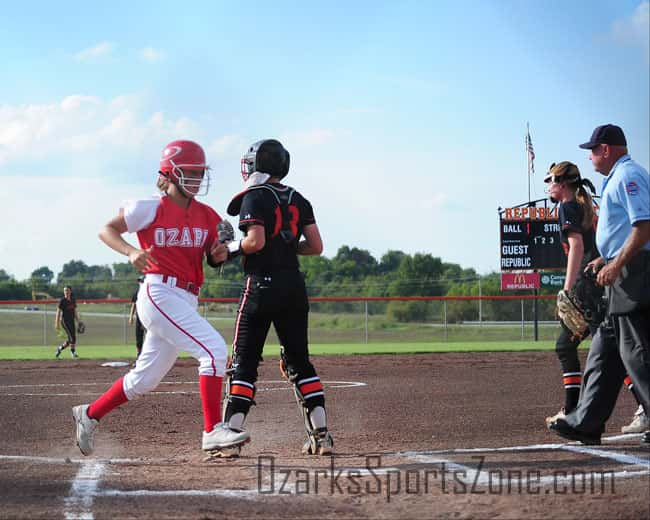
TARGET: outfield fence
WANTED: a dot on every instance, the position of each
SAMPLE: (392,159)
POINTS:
(332,319)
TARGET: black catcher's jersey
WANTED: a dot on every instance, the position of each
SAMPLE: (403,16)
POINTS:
(284,213)
(67,308)
(571,215)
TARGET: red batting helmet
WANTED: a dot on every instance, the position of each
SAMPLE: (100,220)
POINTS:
(185,155)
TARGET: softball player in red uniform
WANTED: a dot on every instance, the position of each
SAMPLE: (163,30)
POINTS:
(175,233)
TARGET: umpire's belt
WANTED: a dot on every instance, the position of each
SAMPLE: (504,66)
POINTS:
(173,281)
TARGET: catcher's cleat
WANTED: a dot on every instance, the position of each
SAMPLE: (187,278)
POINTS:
(223,453)
(563,429)
(560,415)
(58,352)
(85,428)
(319,443)
(223,436)
(640,423)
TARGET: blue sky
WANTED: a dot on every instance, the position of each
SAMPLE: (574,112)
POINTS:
(405,120)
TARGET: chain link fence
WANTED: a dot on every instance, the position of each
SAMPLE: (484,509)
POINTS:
(332,320)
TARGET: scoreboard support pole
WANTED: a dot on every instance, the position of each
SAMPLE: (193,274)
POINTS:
(536,315)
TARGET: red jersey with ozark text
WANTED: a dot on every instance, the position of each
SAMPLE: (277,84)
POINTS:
(180,237)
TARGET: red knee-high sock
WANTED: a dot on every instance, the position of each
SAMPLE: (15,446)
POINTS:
(110,400)
(210,387)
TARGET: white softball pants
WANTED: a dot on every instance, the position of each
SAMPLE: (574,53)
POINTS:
(173,325)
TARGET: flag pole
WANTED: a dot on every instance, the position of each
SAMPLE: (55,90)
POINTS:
(531,155)
(527,139)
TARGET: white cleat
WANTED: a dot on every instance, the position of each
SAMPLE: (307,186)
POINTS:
(640,423)
(560,415)
(85,428)
(222,437)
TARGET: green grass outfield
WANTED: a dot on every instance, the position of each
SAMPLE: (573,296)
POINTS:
(117,352)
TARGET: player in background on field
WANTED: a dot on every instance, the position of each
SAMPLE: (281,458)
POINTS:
(140,331)
(66,314)
(175,232)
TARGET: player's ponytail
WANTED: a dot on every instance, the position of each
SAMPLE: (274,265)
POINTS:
(583,197)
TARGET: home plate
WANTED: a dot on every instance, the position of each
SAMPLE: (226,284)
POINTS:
(115,364)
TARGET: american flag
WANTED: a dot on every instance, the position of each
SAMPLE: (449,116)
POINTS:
(531,153)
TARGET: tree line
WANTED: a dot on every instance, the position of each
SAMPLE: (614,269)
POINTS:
(351,272)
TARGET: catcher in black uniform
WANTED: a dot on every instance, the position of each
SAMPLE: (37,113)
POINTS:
(273,218)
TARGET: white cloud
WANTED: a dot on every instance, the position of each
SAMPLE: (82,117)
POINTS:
(226,145)
(86,126)
(315,136)
(81,157)
(152,55)
(58,219)
(87,150)
(635,29)
(90,54)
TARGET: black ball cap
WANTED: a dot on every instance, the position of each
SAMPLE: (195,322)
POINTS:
(605,134)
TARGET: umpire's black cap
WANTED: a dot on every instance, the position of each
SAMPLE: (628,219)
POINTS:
(605,134)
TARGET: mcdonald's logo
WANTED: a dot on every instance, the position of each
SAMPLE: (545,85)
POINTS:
(519,281)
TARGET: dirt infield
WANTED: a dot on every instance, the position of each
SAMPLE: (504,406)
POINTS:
(420,436)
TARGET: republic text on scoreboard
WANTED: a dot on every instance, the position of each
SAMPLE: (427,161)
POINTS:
(530,239)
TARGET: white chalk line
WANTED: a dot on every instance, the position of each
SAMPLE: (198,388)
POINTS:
(67,460)
(529,447)
(86,482)
(285,386)
(78,505)
(486,477)
(250,494)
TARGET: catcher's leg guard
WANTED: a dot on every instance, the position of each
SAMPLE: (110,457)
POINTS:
(237,400)
(311,401)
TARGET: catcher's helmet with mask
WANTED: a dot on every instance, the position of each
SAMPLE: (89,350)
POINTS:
(266,156)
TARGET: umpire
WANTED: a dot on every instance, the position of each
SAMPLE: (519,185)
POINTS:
(273,218)
(623,239)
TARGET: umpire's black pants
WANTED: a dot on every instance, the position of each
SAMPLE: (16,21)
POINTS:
(620,346)
(633,334)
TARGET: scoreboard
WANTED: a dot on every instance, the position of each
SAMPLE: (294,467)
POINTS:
(530,239)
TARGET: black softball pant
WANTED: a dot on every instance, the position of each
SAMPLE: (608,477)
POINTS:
(70,330)
(281,299)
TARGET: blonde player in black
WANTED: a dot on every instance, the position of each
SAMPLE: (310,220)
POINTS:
(273,218)
(66,313)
